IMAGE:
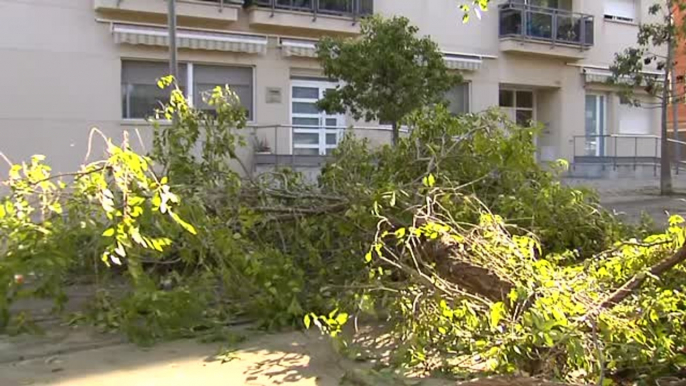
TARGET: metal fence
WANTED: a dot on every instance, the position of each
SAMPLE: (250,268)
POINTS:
(547,24)
(352,8)
(614,150)
(281,142)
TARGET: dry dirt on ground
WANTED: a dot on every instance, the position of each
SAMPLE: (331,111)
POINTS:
(293,358)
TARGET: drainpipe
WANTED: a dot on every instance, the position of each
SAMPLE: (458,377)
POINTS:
(665,161)
(173,62)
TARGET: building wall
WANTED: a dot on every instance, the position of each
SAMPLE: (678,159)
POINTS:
(60,71)
(681,86)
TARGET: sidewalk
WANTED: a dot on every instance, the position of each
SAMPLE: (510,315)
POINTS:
(630,198)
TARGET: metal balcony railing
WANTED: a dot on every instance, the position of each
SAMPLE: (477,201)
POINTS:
(556,26)
(613,150)
(347,8)
(280,145)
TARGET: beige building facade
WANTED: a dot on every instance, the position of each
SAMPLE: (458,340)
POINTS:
(67,66)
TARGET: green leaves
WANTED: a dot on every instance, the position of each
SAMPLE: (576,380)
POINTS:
(429,181)
(385,74)
(188,227)
(497,314)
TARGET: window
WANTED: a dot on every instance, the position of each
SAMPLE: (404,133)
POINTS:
(458,99)
(519,105)
(634,120)
(239,79)
(141,96)
(623,10)
(314,131)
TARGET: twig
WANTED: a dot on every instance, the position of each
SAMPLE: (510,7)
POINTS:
(140,140)
(267,209)
(71,174)
(94,130)
(601,359)
(4,157)
(656,270)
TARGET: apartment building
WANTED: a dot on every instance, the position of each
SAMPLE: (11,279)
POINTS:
(69,65)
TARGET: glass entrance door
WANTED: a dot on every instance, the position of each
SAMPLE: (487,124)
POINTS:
(595,125)
(314,132)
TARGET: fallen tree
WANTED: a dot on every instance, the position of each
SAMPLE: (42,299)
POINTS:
(477,256)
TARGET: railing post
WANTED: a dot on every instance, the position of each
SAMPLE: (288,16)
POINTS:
(655,159)
(635,152)
(677,153)
(357,8)
(525,22)
(582,31)
(615,157)
(554,27)
(273,3)
(276,141)
(315,10)
(221,6)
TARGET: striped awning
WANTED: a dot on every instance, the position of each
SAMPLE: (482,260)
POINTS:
(600,75)
(300,48)
(186,38)
(596,76)
(462,61)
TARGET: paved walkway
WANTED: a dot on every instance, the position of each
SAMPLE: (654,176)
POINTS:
(630,198)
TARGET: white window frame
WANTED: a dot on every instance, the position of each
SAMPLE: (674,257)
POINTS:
(322,129)
(513,110)
(620,16)
(190,80)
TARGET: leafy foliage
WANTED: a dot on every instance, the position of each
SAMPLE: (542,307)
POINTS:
(475,255)
(44,224)
(628,67)
(387,73)
(473,298)
(477,6)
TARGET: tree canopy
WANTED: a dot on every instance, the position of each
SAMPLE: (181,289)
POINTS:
(386,74)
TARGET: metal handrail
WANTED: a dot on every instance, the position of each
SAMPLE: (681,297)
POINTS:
(609,149)
(278,156)
(558,18)
(353,8)
(353,127)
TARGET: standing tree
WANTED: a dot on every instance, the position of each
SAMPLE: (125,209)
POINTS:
(386,73)
(628,71)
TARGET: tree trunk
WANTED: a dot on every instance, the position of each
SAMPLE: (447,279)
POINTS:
(665,161)
(656,270)
(675,112)
(396,133)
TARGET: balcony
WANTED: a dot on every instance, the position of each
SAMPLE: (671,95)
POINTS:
(305,148)
(528,29)
(209,10)
(339,16)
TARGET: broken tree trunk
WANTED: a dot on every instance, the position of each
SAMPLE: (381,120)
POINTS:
(658,269)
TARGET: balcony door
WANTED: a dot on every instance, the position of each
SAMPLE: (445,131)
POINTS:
(595,118)
(314,131)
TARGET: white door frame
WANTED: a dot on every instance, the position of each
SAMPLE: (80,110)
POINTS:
(601,121)
(322,128)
